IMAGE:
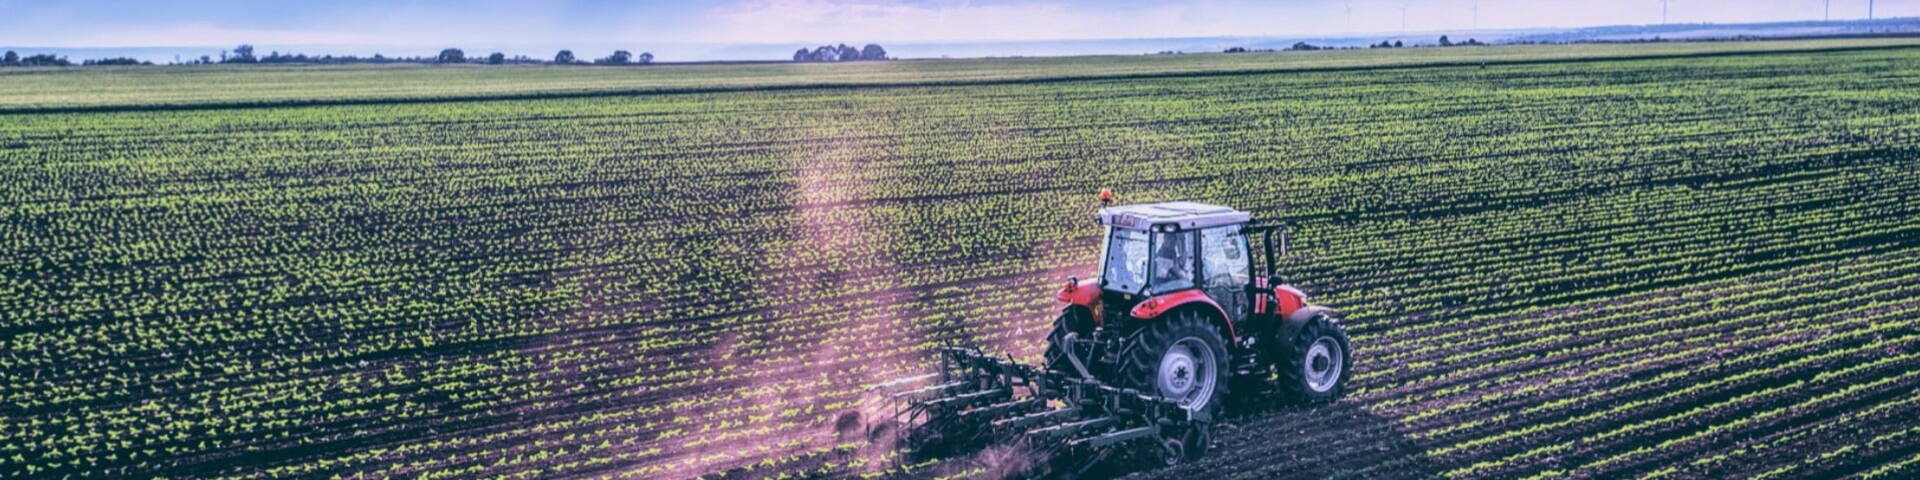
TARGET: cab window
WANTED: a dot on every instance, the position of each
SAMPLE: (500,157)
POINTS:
(1224,251)
(1173,261)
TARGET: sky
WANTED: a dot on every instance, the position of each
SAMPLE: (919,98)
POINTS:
(119,23)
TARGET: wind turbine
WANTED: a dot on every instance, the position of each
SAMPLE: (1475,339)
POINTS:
(1663,12)
(1350,16)
(1403,18)
(1476,14)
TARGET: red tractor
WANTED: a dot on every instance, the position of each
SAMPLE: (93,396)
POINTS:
(1176,325)
(1177,310)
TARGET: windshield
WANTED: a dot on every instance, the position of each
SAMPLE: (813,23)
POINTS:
(1126,260)
(1136,258)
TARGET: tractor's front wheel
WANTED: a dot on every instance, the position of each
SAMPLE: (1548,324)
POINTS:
(1183,357)
(1316,362)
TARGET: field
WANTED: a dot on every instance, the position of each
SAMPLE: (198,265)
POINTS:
(1694,267)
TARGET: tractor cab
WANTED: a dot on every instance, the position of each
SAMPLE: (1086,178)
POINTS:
(1162,248)
(1159,257)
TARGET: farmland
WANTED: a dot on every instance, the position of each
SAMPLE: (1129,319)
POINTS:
(1687,267)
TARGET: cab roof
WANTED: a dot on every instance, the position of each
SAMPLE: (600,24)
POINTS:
(1170,216)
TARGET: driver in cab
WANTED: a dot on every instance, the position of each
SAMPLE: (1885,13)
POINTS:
(1172,263)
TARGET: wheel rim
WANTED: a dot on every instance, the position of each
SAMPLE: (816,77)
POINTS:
(1186,373)
(1323,364)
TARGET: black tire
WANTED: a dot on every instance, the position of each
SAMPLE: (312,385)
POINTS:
(1298,372)
(1077,320)
(1140,363)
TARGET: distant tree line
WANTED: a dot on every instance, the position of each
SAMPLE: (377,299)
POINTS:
(245,54)
(1296,47)
(13,59)
(1307,47)
(1304,46)
(840,53)
(114,61)
(1444,42)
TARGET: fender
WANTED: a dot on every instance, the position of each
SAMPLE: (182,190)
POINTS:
(1289,299)
(1154,307)
(1079,292)
(1299,318)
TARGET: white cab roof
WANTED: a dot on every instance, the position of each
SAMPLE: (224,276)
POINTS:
(1180,215)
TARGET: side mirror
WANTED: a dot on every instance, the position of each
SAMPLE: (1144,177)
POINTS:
(1283,241)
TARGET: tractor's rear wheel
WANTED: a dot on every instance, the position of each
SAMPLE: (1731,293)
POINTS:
(1316,362)
(1076,320)
(1182,356)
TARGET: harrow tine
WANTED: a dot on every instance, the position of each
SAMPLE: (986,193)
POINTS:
(930,392)
(1114,438)
(1001,409)
(1074,421)
(965,399)
(1070,428)
(1024,421)
(895,383)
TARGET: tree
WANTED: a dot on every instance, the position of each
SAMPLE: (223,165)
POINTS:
(11,58)
(451,55)
(241,54)
(800,55)
(496,58)
(1444,42)
(1397,44)
(45,60)
(847,53)
(873,52)
(619,57)
(646,57)
(114,61)
(564,57)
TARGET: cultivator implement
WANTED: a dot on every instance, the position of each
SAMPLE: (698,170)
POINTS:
(1070,422)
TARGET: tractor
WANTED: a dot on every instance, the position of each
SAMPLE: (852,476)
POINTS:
(1176,328)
